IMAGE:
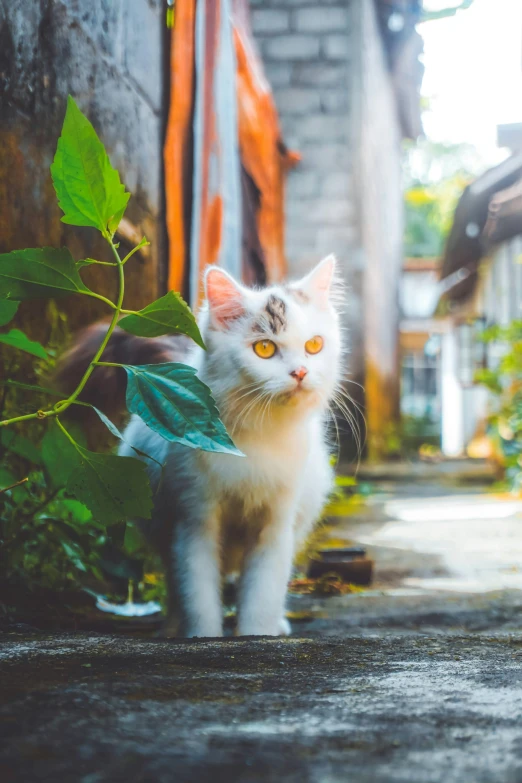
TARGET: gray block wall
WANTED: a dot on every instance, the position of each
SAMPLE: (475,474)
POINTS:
(109,54)
(328,68)
(306,49)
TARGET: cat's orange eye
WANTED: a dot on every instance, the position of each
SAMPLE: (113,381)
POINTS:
(314,345)
(264,348)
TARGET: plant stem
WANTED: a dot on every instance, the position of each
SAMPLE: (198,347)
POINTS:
(94,295)
(17,484)
(62,406)
(114,321)
(143,243)
(102,263)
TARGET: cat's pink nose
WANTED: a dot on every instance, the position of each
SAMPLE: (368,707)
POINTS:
(299,374)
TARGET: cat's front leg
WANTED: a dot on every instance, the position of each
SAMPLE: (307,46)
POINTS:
(198,577)
(264,582)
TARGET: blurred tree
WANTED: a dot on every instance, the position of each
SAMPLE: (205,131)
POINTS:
(435,175)
(430,13)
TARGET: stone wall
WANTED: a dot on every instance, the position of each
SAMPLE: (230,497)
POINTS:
(306,50)
(327,65)
(109,54)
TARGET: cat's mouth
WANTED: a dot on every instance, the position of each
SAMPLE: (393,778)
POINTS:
(298,393)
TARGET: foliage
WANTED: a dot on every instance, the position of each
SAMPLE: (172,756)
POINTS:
(73,494)
(411,437)
(504,382)
(435,176)
(428,15)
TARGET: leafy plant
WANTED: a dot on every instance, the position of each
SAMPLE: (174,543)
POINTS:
(63,506)
(170,398)
(435,175)
(504,382)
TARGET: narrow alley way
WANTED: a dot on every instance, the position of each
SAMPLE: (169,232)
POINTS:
(417,679)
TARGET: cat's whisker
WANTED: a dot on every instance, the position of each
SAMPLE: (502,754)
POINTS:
(350,418)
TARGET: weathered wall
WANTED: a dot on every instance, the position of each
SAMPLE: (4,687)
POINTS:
(109,54)
(327,65)
(378,178)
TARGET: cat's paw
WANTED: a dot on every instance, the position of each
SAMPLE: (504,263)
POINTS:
(285,629)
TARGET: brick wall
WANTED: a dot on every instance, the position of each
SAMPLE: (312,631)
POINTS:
(306,51)
(109,55)
(327,66)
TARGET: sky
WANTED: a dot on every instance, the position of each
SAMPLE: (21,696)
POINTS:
(473,75)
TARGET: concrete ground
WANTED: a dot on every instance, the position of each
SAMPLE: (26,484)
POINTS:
(417,679)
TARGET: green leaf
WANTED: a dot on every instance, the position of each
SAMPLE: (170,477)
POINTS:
(7,479)
(74,553)
(113,488)
(31,387)
(19,444)
(17,339)
(133,541)
(59,456)
(173,402)
(8,309)
(168,315)
(88,188)
(78,511)
(39,273)
(117,434)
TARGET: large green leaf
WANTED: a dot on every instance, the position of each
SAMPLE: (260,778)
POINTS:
(19,444)
(7,310)
(38,273)
(88,188)
(17,339)
(168,315)
(59,455)
(114,488)
(173,402)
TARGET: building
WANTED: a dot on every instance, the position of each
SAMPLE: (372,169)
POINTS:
(346,80)
(345,76)
(482,274)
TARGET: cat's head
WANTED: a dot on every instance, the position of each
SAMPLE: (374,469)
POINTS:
(277,346)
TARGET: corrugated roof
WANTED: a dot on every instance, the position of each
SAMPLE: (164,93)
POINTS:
(466,243)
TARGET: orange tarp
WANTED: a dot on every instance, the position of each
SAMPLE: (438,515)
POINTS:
(178,138)
(261,150)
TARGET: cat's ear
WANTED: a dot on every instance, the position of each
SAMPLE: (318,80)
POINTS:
(225,297)
(318,283)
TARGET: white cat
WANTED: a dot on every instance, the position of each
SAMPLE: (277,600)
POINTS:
(273,365)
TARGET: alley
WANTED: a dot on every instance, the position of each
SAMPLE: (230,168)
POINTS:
(417,679)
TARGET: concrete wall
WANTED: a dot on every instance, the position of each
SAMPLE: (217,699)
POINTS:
(379,185)
(109,54)
(326,62)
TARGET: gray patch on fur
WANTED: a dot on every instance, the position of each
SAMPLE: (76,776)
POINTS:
(298,294)
(275,310)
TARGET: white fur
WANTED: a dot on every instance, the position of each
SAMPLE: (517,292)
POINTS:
(216,513)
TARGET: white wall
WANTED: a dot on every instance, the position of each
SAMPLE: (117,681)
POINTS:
(452,440)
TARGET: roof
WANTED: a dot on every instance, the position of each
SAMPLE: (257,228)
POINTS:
(467,241)
(510,136)
(505,214)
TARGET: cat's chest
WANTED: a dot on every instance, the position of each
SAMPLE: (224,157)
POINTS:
(266,469)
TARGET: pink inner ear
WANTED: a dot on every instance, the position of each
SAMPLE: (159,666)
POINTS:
(319,281)
(225,299)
